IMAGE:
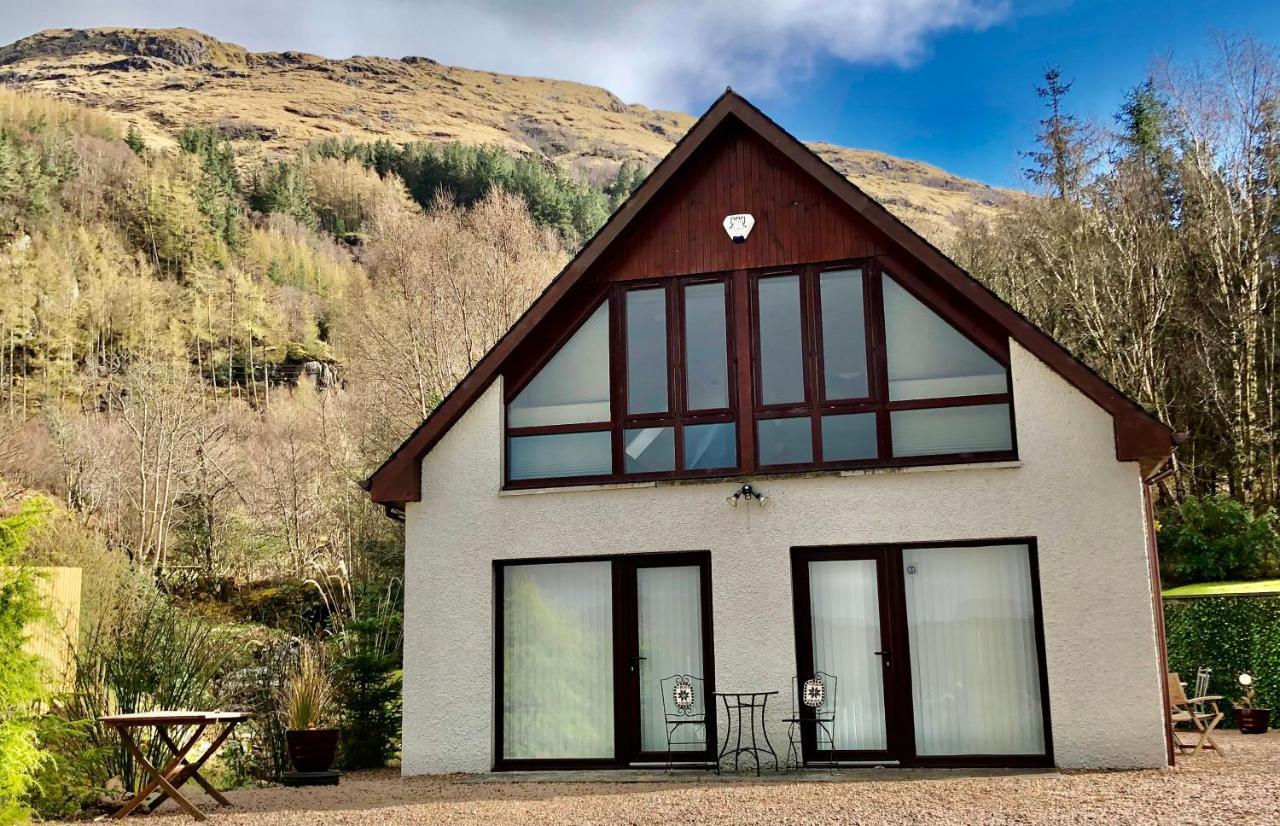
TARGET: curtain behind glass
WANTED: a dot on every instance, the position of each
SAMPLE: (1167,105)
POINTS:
(669,608)
(975,678)
(845,604)
(557,649)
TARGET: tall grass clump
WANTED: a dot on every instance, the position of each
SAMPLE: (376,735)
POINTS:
(307,694)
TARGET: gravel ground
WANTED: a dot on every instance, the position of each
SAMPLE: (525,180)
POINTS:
(1243,787)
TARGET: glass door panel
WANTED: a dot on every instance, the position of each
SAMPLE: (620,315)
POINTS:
(847,643)
(557,656)
(669,622)
(975,676)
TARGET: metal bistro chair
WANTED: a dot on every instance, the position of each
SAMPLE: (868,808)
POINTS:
(812,704)
(683,705)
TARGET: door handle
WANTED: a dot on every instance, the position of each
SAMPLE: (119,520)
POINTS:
(886,656)
(635,663)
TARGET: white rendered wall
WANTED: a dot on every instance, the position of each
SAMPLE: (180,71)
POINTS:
(1068,490)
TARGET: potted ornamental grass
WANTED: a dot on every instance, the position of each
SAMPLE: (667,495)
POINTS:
(1250,718)
(305,702)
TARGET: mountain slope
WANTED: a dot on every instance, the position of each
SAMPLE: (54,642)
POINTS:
(163,80)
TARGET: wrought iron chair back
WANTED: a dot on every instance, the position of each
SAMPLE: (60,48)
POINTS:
(817,694)
(684,711)
(813,703)
(682,698)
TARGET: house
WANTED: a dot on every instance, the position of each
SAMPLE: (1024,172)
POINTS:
(947,511)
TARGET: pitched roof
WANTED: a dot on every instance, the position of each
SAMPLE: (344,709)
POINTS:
(1139,435)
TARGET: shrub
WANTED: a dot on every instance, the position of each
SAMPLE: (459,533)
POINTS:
(73,777)
(1215,538)
(1229,635)
(20,687)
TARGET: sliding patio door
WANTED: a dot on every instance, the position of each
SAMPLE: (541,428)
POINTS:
(937,651)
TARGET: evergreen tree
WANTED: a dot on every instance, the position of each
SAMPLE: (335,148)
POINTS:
(285,189)
(134,140)
(1061,159)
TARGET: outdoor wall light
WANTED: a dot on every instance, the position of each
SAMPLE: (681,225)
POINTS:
(746,492)
(1246,679)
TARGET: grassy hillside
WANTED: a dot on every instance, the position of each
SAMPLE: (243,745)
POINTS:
(164,80)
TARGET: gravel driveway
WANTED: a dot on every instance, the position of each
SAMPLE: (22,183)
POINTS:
(1244,787)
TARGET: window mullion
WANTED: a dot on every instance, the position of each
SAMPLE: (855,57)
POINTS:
(876,355)
(745,333)
(618,372)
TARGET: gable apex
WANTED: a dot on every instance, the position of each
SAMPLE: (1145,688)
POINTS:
(1139,436)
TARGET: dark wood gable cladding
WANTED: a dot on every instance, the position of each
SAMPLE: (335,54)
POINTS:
(797,219)
(736,160)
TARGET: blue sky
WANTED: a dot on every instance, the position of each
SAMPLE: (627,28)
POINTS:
(969,106)
(946,81)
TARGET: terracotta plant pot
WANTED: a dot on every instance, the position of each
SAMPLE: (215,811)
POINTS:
(1253,720)
(312,750)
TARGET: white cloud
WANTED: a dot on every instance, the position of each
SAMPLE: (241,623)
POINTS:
(663,53)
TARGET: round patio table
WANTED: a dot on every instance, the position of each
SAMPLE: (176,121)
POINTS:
(753,703)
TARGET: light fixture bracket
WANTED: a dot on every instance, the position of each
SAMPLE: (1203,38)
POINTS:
(748,493)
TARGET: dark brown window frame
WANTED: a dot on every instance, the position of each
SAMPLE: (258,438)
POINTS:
(626,701)
(899,712)
(744,381)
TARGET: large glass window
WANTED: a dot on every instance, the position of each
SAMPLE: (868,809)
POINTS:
(557,661)
(647,351)
(706,347)
(781,340)
(842,366)
(844,335)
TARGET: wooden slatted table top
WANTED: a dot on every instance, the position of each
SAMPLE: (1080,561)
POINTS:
(173,718)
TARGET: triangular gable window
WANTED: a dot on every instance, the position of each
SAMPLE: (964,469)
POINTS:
(930,359)
(573,387)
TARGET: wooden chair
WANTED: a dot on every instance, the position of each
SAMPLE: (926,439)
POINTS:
(1201,712)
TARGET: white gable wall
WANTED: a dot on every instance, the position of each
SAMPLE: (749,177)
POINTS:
(1067,490)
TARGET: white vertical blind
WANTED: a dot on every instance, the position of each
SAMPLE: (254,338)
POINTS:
(557,649)
(669,607)
(845,606)
(975,678)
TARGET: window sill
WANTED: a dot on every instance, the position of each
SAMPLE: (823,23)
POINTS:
(576,488)
(959,466)
(811,474)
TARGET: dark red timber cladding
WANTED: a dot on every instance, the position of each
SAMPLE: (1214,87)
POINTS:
(681,232)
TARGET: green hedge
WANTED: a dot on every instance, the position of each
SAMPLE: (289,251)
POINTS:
(1230,635)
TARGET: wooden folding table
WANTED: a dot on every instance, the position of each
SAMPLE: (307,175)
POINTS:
(178,769)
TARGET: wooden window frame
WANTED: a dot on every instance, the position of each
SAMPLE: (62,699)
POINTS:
(745,408)
(816,405)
